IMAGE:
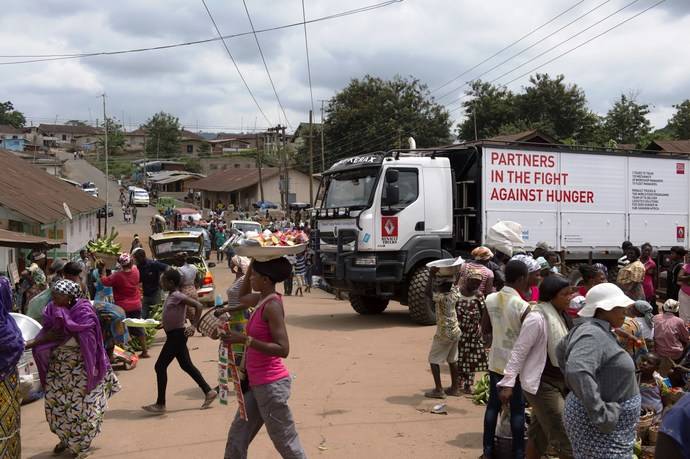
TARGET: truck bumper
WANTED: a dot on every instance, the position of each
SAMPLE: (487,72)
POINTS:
(342,271)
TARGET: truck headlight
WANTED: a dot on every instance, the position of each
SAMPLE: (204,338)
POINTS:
(366,261)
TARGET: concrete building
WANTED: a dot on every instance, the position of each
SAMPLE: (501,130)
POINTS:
(240,187)
(212,165)
(67,135)
(35,203)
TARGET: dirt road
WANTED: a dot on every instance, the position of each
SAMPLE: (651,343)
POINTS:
(357,393)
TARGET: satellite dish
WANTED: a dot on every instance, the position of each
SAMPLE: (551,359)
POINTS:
(67,211)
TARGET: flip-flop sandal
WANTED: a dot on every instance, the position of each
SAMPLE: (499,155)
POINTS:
(210,397)
(155,409)
(434,394)
(59,448)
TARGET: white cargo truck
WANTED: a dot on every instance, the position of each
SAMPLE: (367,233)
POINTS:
(381,217)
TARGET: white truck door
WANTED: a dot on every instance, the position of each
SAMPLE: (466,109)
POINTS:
(397,224)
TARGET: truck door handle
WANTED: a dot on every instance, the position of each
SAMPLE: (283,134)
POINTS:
(419,226)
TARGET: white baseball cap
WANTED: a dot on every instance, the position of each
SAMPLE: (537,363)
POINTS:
(604,296)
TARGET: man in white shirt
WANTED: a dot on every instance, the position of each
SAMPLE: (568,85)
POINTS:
(506,310)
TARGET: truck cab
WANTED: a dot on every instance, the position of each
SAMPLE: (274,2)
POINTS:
(380,218)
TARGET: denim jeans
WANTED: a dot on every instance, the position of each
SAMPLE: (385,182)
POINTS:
(517,418)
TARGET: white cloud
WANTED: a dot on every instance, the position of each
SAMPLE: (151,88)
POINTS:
(433,40)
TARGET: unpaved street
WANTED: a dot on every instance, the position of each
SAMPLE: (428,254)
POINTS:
(357,391)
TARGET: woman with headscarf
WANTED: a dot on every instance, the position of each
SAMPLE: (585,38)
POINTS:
(267,344)
(603,408)
(74,369)
(534,360)
(481,256)
(11,348)
(470,308)
(534,269)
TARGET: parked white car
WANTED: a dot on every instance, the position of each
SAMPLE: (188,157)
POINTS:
(139,197)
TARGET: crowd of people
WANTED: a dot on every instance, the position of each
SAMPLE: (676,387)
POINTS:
(588,356)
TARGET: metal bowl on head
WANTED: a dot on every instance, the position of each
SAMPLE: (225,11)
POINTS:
(447,267)
(28,326)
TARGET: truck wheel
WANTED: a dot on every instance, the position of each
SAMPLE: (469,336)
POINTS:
(368,305)
(421,307)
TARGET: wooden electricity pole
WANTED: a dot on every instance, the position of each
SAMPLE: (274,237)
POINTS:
(311,159)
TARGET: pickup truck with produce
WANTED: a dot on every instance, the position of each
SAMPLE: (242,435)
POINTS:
(381,217)
(165,246)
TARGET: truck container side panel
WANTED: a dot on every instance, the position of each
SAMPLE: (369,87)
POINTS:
(600,198)
(659,230)
(658,201)
(536,226)
(588,229)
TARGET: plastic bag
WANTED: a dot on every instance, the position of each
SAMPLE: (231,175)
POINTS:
(505,235)
(503,429)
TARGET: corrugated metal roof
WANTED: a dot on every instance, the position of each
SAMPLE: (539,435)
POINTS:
(233,179)
(672,146)
(14,239)
(34,193)
(69,129)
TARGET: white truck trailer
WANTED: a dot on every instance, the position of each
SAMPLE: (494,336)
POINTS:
(381,217)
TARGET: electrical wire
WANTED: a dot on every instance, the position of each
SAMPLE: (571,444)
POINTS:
(246,85)
(454,90)
(569,50)
(263,59)
(30,58)
(533,31)
(306,48)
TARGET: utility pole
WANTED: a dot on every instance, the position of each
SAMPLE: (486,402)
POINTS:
(474,115)
(287,173)
(158,146)
(323,153)
(258,165)
(107,175)
(311,159)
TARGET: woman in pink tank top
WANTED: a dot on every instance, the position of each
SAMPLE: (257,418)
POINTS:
(266,345)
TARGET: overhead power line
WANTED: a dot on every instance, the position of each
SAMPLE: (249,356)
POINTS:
(306,48)
(524,50)
(239,72)
(30,58)
(533,31)
(615,26)
(263,59)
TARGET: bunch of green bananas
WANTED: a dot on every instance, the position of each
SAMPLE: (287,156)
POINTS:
(480,396)
(155,312)
(105,244)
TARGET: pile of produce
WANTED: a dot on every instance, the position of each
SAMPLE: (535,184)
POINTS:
(105,245)
(286,238)
(480,396)
(155,312)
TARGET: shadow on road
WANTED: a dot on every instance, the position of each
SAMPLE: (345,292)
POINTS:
(467,440)
(353,321)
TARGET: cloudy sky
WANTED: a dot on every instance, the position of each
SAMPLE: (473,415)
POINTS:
(433,40)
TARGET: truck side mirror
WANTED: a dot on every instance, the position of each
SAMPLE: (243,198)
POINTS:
(392,194)
(392,175)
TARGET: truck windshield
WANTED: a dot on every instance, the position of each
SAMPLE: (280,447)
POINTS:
(351,189)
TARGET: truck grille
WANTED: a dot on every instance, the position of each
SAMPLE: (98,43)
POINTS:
(328,237)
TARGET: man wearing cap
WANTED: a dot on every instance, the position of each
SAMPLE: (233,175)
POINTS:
(670,333)
(603,408)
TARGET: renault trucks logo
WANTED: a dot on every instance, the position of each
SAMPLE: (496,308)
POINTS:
(389,230)
(680,168)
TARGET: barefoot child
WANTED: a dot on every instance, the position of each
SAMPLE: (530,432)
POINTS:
(444,347)
(175,347)
(470,307)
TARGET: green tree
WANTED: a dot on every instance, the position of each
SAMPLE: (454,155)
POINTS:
(559,109)
(494,108)
(116,137)
(163,138)
(679,124)
(374,114)
(205,149)
(626,121)
(8,115)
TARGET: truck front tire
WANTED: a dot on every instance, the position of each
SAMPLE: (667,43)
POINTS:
(368,305)
(421,307)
